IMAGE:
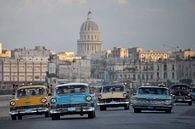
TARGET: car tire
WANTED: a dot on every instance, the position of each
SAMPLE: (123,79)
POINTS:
(55,117)
(168,110)
(190,103)
(126,107)
(13,117)
(19,117)
(91,114)
(137,110)
(102,108)
(47,114)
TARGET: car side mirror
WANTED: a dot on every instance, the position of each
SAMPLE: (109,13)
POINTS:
(49,94)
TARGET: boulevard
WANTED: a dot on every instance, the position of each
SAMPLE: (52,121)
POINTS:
(182,117)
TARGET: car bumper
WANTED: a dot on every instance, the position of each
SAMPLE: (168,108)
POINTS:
(72,110)
(182,100)
(112,103)
(29,111)
(152,107)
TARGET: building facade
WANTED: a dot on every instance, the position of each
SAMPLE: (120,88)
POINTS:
(13,71)
(90,40)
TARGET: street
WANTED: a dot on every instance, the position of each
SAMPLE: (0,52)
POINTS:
(182,117)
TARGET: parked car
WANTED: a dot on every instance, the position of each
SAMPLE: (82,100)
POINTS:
(29,100)
(193,93)
(152,98)
(182,93)
(72,98)
(113,95)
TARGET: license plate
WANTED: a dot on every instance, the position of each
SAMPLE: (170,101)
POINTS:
(179,100)
(71,109)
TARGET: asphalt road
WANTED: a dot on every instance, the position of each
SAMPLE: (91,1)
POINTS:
(182,117)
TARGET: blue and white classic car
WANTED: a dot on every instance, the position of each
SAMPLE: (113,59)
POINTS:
(72,98)
(152,98)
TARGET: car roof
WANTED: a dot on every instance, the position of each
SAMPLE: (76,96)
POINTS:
(153,87)
(32,86)
(113,85)
(72,84)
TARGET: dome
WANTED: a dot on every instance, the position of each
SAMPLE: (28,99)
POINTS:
(89,26)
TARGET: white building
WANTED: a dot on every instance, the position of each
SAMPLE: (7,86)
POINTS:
(90,40)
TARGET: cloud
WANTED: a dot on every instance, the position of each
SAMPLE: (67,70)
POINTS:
(122,1)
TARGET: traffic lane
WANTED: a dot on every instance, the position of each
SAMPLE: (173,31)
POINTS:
(112,119)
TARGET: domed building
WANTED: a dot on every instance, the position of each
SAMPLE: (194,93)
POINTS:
(89,42)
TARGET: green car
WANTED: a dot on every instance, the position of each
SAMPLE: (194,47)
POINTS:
(152,98)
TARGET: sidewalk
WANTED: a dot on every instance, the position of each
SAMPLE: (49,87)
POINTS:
(4,106)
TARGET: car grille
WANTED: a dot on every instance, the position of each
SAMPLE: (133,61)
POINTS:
(31,106)
(145,101)
(112,99)
(72,105)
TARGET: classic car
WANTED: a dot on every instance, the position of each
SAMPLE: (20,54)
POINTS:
(152,98)
(193,93)
(29,100)
(72,98)
(182,93)
(113,95)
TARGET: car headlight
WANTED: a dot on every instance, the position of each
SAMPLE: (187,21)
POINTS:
(125,94)
(53,100)
(100,96)
(133,101)
(43,100)
(12,103)
(168,101)
(88,98)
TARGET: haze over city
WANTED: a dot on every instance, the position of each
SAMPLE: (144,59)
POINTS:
(123,23)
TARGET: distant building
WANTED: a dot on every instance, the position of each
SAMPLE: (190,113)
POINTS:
(119,52)
(141,55)
(39,53)
(67,56)
(4,53)
(90,41)
(15,71)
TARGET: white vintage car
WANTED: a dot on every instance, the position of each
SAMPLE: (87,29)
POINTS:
(114,95)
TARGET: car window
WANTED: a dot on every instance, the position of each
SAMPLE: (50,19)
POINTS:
(113,89)
(71,89)
(157,91)
(30,92)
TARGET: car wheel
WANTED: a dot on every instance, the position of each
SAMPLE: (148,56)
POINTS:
(137,110)
(91,114)
(168,111)
(126,107)
(13,117)
(19,117)
(55,117)
(47,114)
(190,103)
(102,108)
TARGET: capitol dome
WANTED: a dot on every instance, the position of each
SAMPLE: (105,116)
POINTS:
(89,42)
(89,26)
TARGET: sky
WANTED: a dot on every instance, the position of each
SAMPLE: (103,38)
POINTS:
(151,24)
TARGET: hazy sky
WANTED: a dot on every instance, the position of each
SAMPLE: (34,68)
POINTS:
(123,23)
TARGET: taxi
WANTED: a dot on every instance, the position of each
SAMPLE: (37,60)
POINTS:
(113,95)
(29,100)
(72,98)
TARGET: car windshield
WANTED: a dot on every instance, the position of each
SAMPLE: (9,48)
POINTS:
(27,92)
(193,89)
(156,91)
(71,89)
(113,89)
(180,89)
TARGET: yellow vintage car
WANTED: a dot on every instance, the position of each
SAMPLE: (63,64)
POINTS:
(29,100)
(113,95)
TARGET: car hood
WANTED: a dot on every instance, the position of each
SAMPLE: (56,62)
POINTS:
(160,97)
(28,101)
(79,98)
